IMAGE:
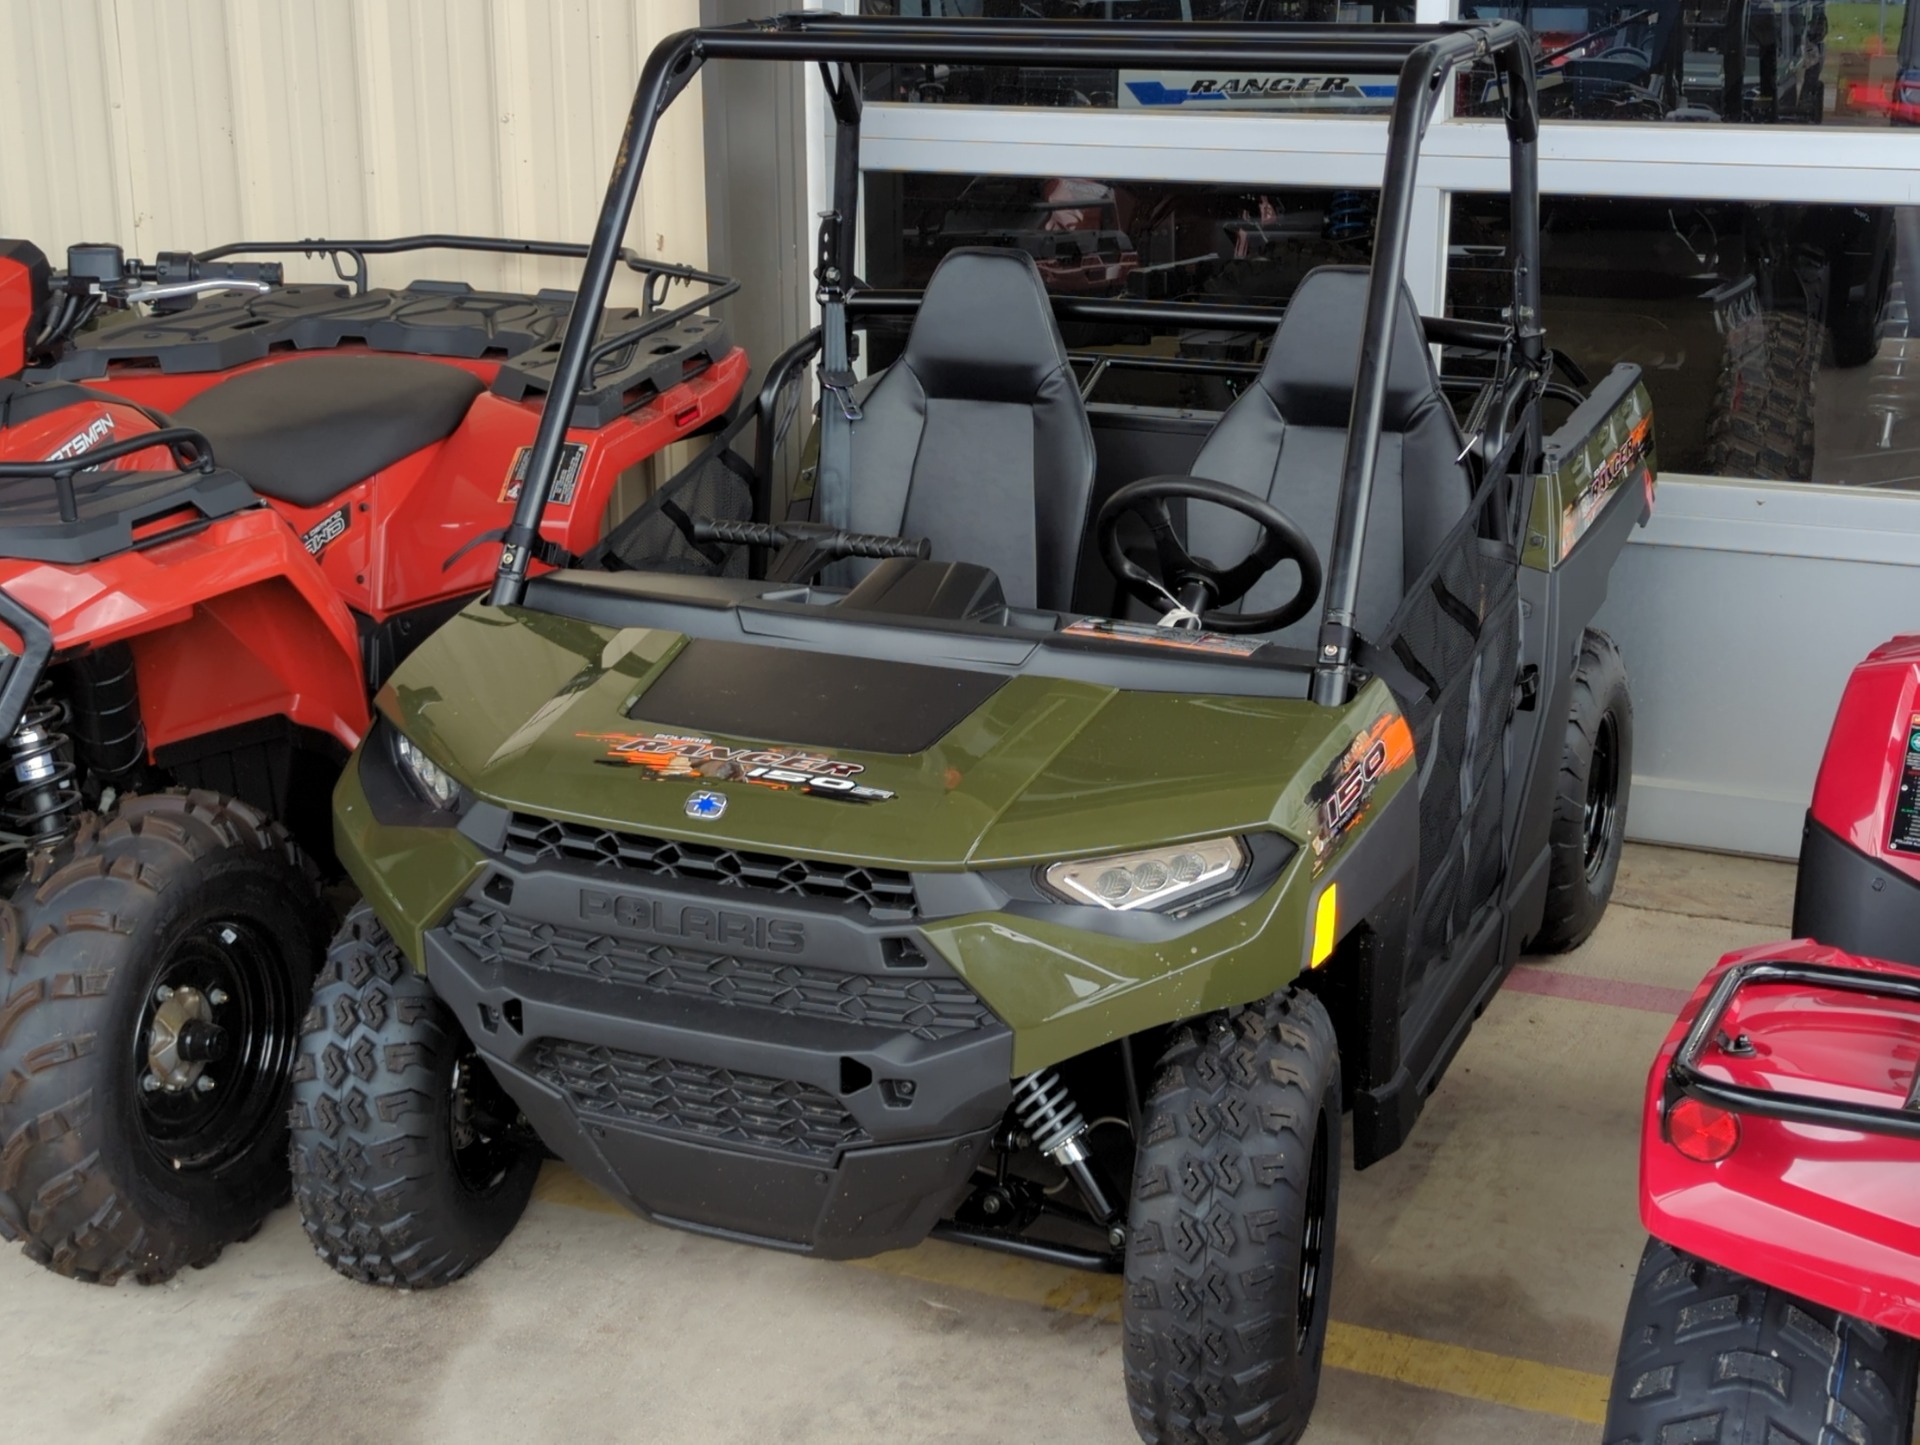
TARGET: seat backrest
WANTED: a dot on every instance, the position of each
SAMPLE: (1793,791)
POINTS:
(976,438)
(1285,438)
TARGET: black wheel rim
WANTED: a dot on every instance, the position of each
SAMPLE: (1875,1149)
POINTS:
(1603,791)
(483,1119)
(1313,1242)
(216,1119)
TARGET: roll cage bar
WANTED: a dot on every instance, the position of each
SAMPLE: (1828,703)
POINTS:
(1422,57)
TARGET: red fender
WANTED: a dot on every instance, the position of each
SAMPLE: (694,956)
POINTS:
(229,624)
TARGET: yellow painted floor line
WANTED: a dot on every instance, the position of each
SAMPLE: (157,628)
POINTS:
(1426,1364)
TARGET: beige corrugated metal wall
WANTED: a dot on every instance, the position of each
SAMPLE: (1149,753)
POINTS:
(180,124)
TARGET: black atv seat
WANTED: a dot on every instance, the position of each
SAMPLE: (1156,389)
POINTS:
(976,438)
(306,429)
(1285,438)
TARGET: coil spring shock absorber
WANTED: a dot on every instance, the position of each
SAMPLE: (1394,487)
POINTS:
(46,788)
(1059,1131)
(1349,217)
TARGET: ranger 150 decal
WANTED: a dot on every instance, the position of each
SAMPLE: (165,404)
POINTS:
(1624,460)
(1347,786)
(1586,474)
(676,755)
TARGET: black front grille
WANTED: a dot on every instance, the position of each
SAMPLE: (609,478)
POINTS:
(699,1100)
(545,840)
(927,1006)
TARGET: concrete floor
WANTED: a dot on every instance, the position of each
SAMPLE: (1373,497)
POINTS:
(1481,1277)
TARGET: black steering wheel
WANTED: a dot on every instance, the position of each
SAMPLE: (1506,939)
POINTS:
(1196,583)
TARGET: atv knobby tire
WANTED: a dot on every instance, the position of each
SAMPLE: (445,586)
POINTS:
(384,1083)
(1713,1358)
(100,1178)
(1590,799)
(1761,424)
(1230,1249)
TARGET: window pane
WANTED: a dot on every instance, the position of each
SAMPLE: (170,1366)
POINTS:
(1774,338)
(1755,62)
(1297,92)
(1097,238)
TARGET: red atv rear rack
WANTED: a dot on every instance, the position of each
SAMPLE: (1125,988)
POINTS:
(1684,1077)
(1813,1052)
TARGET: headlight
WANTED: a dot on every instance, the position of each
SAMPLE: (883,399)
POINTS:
(1161,879)
(433,781)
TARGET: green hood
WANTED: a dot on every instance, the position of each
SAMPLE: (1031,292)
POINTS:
(529,710)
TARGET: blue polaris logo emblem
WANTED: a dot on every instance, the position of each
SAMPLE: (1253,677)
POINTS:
(705,804)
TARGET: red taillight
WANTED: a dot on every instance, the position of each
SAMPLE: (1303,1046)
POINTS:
(1702,1132)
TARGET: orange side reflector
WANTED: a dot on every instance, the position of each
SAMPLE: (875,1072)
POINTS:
(1326,917)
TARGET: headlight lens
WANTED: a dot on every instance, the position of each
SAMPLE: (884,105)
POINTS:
(433,781)
(1161,879)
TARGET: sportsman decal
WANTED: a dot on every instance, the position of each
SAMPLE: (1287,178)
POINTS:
(330,528)
(1343,791)
(573,456)
(675,755)
(97,431)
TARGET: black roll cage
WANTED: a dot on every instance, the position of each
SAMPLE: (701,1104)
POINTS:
(1423,57)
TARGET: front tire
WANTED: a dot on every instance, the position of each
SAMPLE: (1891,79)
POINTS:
(1711,1357)
(410,1164)
(1230,1251)
(1590,799)
(184,925)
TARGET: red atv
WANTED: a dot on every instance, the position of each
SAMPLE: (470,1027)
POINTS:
(1779,1299)
(223,521)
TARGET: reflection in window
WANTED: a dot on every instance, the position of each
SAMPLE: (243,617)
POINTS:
(1774,338)
(1096,238)
(1755,62)
(1316,92)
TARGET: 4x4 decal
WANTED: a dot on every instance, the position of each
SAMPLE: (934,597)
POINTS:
(329,529)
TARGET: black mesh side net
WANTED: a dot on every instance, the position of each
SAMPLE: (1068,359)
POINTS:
(1451,655)
(718,484)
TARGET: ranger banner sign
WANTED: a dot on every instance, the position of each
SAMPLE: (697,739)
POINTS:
(1201,90)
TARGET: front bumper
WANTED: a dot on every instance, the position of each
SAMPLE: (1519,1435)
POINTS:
(799,1073)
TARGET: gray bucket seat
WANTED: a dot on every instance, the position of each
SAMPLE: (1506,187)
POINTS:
(1284,439)
(976,438)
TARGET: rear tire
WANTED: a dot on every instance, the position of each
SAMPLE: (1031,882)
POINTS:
(207,901)
(1713,1358)
(1761,425)
(1236,1194)
(410,1164)
(1590,799)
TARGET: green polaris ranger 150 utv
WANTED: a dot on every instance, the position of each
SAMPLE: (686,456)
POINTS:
(1042,844)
